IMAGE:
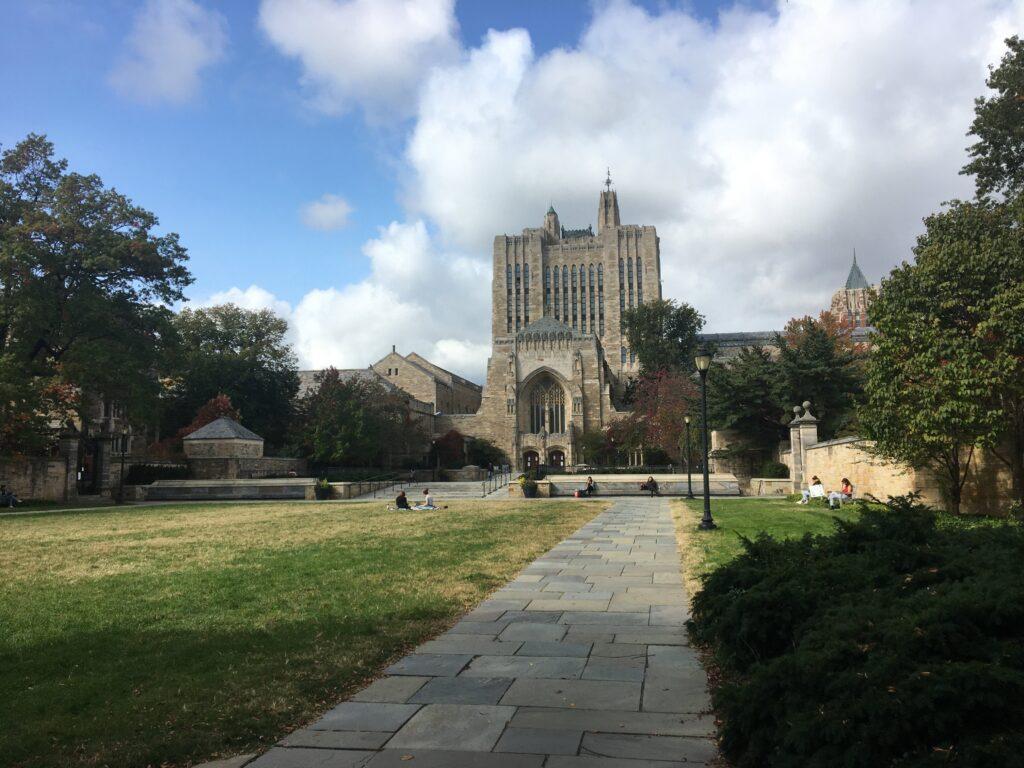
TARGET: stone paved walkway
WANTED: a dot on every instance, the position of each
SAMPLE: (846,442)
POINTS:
(579,662)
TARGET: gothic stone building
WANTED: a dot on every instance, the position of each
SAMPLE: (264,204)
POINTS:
(559,353)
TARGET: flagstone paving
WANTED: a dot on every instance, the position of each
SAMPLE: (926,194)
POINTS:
(582,661)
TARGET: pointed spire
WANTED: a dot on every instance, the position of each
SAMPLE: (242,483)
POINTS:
(608,180)
(856,278)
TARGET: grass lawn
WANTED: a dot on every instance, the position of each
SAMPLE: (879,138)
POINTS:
(169,635)
(706,550)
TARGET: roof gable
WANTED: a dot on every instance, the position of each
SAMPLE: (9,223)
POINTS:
(223,429)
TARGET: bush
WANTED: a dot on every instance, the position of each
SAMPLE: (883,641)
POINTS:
(145,474)
(892,642)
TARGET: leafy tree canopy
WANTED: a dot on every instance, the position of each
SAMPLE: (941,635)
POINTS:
(84,285)
(743,397)
(947,371)
(819,362)
(997,157)
(239,353)
(355,421)
(663,334)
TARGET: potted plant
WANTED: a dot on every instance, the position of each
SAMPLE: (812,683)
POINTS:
(322,489)
(529,486)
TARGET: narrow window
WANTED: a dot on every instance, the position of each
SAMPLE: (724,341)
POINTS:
(629,282)
(518,285)
(583,298)
(590,295)
(547,289)
(573,315)
(600,296)
(525,294)
(565,294)
(558,300)
(622,351)
(508,298)
(639,281)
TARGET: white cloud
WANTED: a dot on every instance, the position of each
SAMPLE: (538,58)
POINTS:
(370,53)
(328,213)
(764,147)
(415,297)
(171,42)
(252,298)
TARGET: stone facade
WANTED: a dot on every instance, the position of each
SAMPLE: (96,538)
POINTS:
(558,352)
(443,390)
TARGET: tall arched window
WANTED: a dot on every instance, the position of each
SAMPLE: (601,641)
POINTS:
(547,407)
(526,294)
(629,279)
(518,287)
(573,315)
(508,298)
(592,303)
(565,294)
(600,296)
(583,298)
(639,281)
(547,288)
(622,294)
(558,298)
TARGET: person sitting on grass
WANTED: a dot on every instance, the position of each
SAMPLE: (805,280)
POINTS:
(428,502)
(401,501)
(845,493)
(7,498)
(816,491)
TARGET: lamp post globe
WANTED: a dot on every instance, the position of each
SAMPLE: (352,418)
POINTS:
(703,362)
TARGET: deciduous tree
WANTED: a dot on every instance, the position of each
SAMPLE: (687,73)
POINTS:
(663,334)
(997,157)
(240,353)
(84,289)
(945,376)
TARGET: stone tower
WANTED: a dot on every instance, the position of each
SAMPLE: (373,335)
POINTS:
(850,303)
(558,349)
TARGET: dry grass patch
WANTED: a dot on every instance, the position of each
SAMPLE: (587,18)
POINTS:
(167,635)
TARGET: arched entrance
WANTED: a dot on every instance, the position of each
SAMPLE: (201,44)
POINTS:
(556,458)
(531,460)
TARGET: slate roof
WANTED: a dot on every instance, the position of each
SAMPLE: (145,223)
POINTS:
(223,429)
(856,278)
(548,324)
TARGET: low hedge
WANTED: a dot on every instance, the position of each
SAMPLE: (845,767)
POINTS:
(895,641)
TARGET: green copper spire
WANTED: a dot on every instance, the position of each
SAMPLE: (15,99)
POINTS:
(856,278)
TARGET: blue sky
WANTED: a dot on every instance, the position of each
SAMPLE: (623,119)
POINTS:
(764,141)
(230,170)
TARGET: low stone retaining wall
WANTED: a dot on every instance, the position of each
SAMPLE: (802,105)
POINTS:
(770,486)
(721,484)
(231,490)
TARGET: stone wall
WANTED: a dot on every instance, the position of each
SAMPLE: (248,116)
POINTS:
(986,490)
(229,469)
(41,479)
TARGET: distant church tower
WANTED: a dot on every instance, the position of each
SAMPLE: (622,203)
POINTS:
(850,303)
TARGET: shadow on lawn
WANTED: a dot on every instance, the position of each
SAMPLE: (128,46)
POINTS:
(169,698)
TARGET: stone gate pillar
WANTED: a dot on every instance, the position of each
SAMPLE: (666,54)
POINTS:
(803,433)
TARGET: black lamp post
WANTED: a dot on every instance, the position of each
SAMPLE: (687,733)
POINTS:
(689,454)
(703,362)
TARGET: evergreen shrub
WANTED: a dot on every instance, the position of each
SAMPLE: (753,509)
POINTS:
(898,640)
